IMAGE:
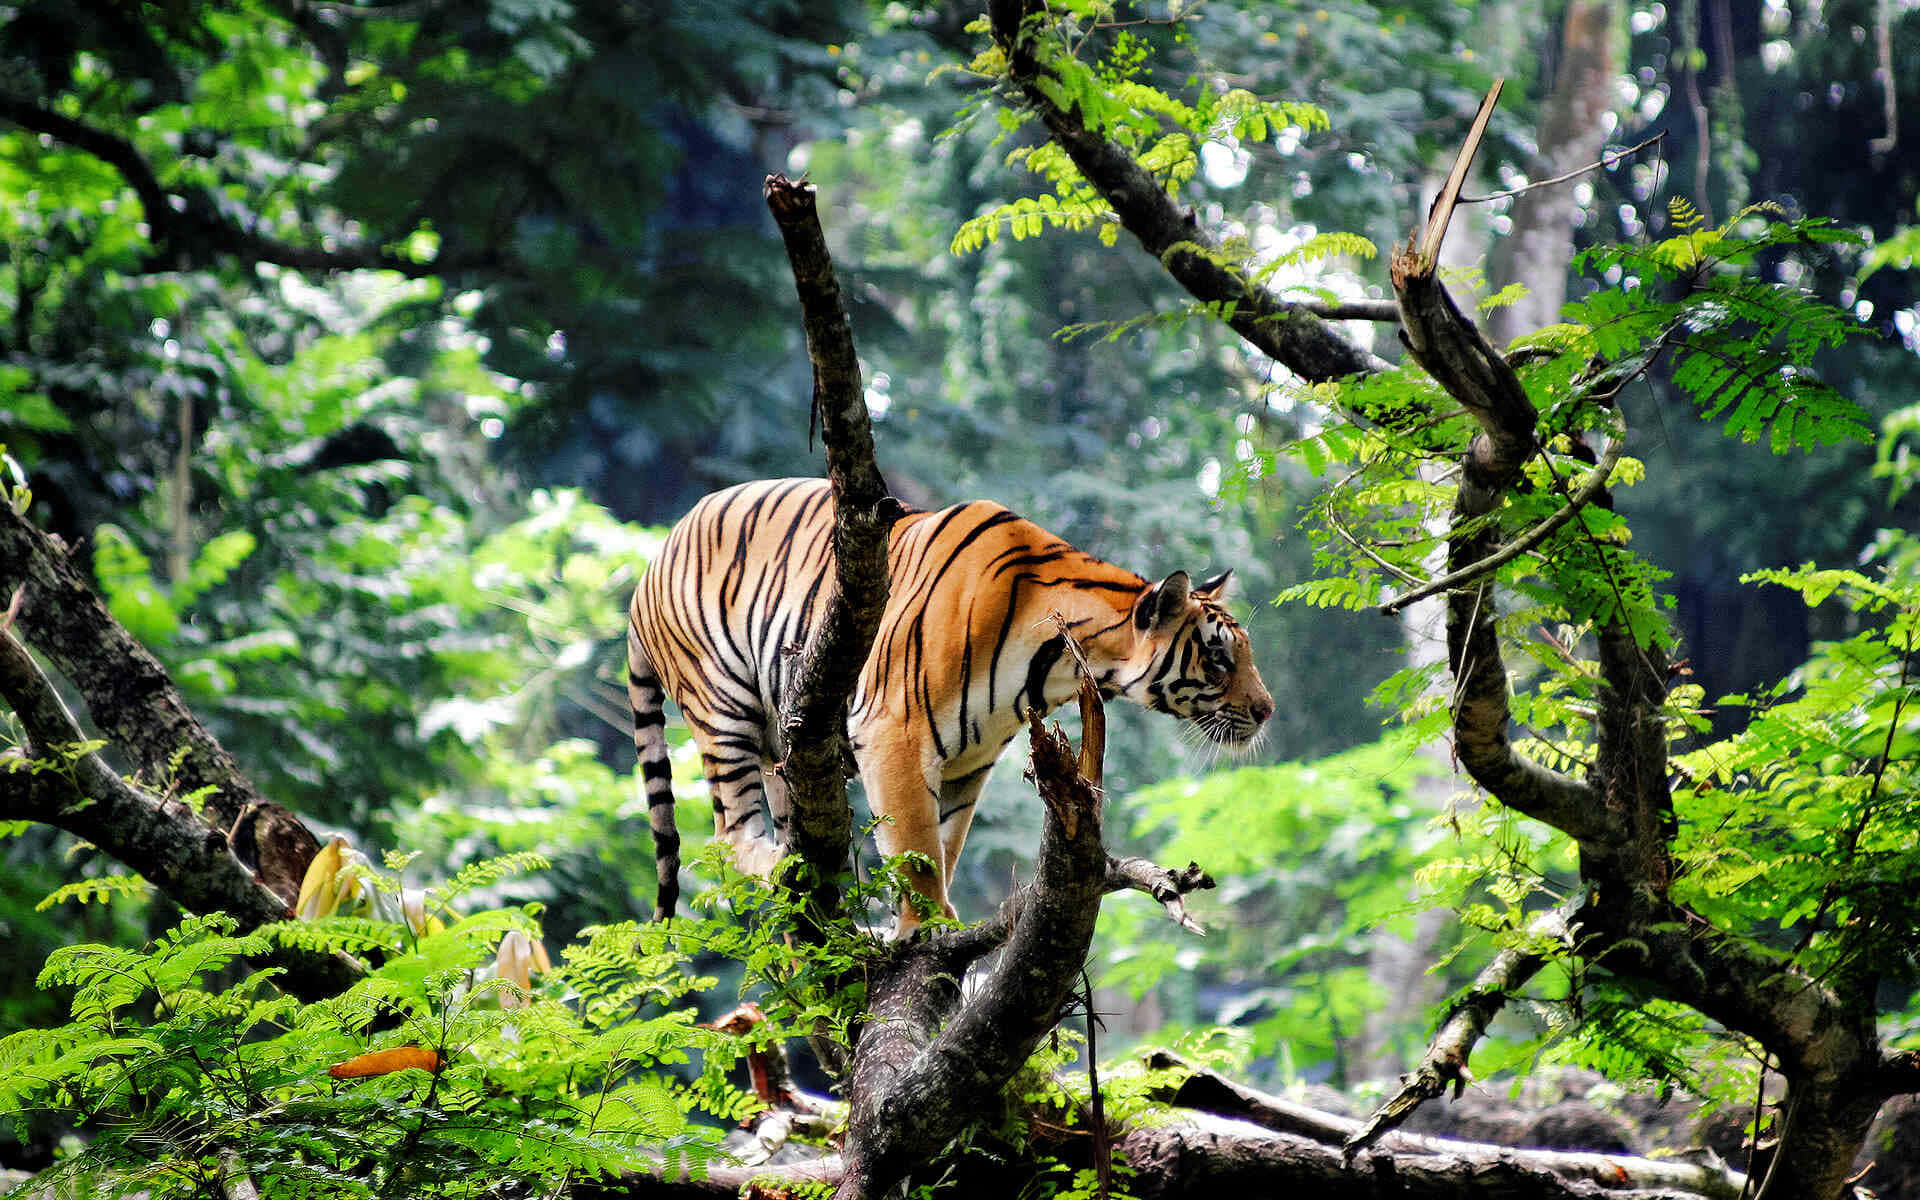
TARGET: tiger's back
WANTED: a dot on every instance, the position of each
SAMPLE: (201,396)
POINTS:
(964,648)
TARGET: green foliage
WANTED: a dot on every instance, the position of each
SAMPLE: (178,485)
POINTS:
(100,888)
(180,1071)
(1162,132)
(1799,821)
(1741,348)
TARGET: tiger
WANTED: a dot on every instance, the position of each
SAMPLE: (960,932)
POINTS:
(967,644)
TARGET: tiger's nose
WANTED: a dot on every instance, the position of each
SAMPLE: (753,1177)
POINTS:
(1261,709)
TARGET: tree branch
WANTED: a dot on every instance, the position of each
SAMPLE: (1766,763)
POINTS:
(1445,1061)
(1209,1156)
(188,230)
(1170,887)
(1290,334)
(128,694)
(164,840)
(814,726)
(919,1076)
(1591,484)
(1460,359)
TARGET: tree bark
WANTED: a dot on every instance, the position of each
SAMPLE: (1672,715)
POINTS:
(129,695)
(819,759)
(1822,1030)
(927,1065)
(163,839)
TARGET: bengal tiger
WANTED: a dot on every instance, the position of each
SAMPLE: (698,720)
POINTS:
(965,647)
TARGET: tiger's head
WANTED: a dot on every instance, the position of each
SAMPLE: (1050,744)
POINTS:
(1191,659)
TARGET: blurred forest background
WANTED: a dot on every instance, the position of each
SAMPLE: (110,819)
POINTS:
(364,349)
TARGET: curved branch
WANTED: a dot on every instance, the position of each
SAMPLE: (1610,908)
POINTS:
(1456,354)
(117,152)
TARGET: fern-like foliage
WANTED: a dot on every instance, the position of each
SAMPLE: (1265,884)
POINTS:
(1741,348)
(1088,69)
(596,1067)
(102,889)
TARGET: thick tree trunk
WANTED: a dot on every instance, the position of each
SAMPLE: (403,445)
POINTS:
(1572,131)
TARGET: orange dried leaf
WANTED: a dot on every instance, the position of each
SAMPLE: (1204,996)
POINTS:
(386,1062)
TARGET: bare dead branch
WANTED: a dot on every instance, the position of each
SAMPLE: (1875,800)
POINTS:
(1169,886)
(1211,1156)
(1441,212)
(814,727)
(1606,160)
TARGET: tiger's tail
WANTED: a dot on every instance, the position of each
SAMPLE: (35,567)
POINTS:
(648,700)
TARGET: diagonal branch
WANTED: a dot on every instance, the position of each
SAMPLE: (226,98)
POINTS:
(1290,334)
(188,229)
(165,841)
(1445,1062)
(1591,484)
(128,693)
(1404,1165)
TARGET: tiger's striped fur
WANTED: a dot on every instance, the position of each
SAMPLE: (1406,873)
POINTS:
(965,647)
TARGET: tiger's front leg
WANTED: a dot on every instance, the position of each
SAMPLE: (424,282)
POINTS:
(902,778)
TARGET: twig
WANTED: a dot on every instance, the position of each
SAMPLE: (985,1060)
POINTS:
(1605,160)
(1096,1106)
(1351,310)
(1165,884)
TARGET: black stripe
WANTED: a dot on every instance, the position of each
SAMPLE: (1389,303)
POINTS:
(1044,660)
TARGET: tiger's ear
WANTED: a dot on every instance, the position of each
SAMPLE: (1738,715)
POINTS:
(1220,587)
(1162,603)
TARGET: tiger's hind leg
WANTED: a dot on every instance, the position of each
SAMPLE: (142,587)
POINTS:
(902,778)
(732,754)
